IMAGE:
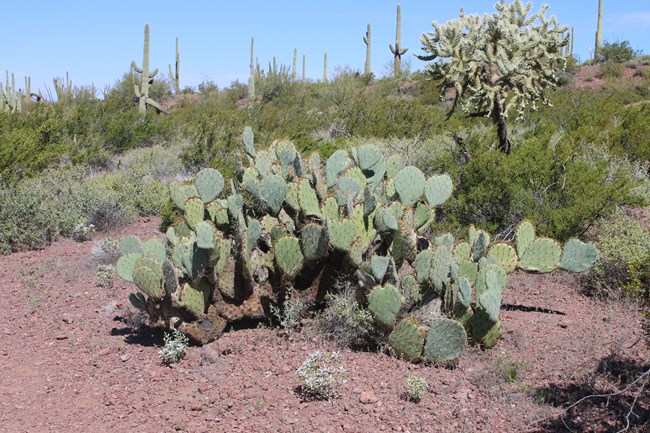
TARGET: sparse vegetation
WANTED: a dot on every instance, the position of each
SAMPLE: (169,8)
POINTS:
(321,375)
(174,349)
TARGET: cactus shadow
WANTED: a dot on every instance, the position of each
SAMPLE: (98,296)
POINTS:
(138,334)
(609,408)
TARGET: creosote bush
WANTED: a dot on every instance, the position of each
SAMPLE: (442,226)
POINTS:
(320,375)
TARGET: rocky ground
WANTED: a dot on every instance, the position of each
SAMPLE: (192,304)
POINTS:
(73,358)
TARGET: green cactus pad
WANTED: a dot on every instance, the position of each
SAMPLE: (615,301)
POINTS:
(447,240)
(379,266)
(170,279)
(264,162)
(217,212)
(446,340)
(195,261)
(483,330)
(440,266)
(464,292)
(288,255)
(578,256)
(273,190)
(194,211)
(407,340)
(249,178)
(462,251)
(496,281)
(130,244)
(248,139)
(394,164)
(505,256)
(369,202)
(155,249)
(388,220)
(330,208)
(180,193)
(223,249)
(342,234)
(409,185)
(468,269)
(125,266)
(205,234)
(384,302)
(138,301)
(347,191)
(422,265)
(480,243)
(524,236)
(368,157)
(422,217)
(314,240)
(253,234)
(336,164)
(404,245)
(307,199)
(542,255)
(355,255)
(149,281)
(209,184)
(438,189)
(194,298)
(356,174)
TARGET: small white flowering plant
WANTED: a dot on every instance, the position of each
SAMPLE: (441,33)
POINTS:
(321,374)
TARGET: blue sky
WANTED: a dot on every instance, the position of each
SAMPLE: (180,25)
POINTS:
(95,41)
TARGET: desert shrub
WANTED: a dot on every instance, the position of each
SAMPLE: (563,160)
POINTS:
(176,344)
(416,388)
(105,276)
(630,136)
(559,187)
(612,69)
(291,312)
(619,52)
(106,251)
(321,374)
(344,321)
(624,247)
(158,162)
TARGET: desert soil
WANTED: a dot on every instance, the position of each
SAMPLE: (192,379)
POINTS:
(72,359)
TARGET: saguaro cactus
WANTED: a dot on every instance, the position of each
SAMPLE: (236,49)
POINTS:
(251,78)
(175,74)
(599,31)
(142,92)
(325,69)
(293,69)
(304,66)
(366,40)
(397,50)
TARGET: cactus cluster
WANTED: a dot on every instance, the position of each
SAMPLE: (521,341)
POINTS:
(142,92)
(285,222)
(11,99)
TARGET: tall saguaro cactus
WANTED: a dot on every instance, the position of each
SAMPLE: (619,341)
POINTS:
(599,31)
(293,69)
(366,40)
(397,50)
(325,69)
(175,74)
(304,67)
(251,78)
(142,92)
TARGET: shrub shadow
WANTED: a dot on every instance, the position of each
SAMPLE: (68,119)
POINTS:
(604,414)
(139,334)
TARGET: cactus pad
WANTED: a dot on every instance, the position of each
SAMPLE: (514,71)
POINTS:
(438,189)
(578,256)
(307,199)
(446,340)
(524,236)
(409,185)
(505,256)
(205,234)
(314,239)
(407,340)
(138,301)
(273,190)
(125,266)
(348,190)
(194,211)
(130,244)
(288,255)
(542,255)
(149,280)
(384,302)
(336,164)
(379,266)
(209,184)
(342,234)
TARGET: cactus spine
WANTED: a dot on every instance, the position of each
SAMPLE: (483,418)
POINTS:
(367,41)
(325,68)
(142,93)
(174,74)
(599,32)
(397,50)
(251,78)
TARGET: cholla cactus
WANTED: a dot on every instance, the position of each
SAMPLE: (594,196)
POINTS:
(497,63)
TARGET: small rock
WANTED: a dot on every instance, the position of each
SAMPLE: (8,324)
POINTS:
(367,397)
(564,324)
(61,337)
(67,318)
(124,358)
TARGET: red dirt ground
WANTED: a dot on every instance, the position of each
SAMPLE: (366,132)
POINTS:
(70,362)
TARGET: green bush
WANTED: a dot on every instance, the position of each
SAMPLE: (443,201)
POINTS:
(612,69)
(624,264)
(619,52)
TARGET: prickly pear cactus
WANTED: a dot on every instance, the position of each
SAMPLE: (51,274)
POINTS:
(291,223)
